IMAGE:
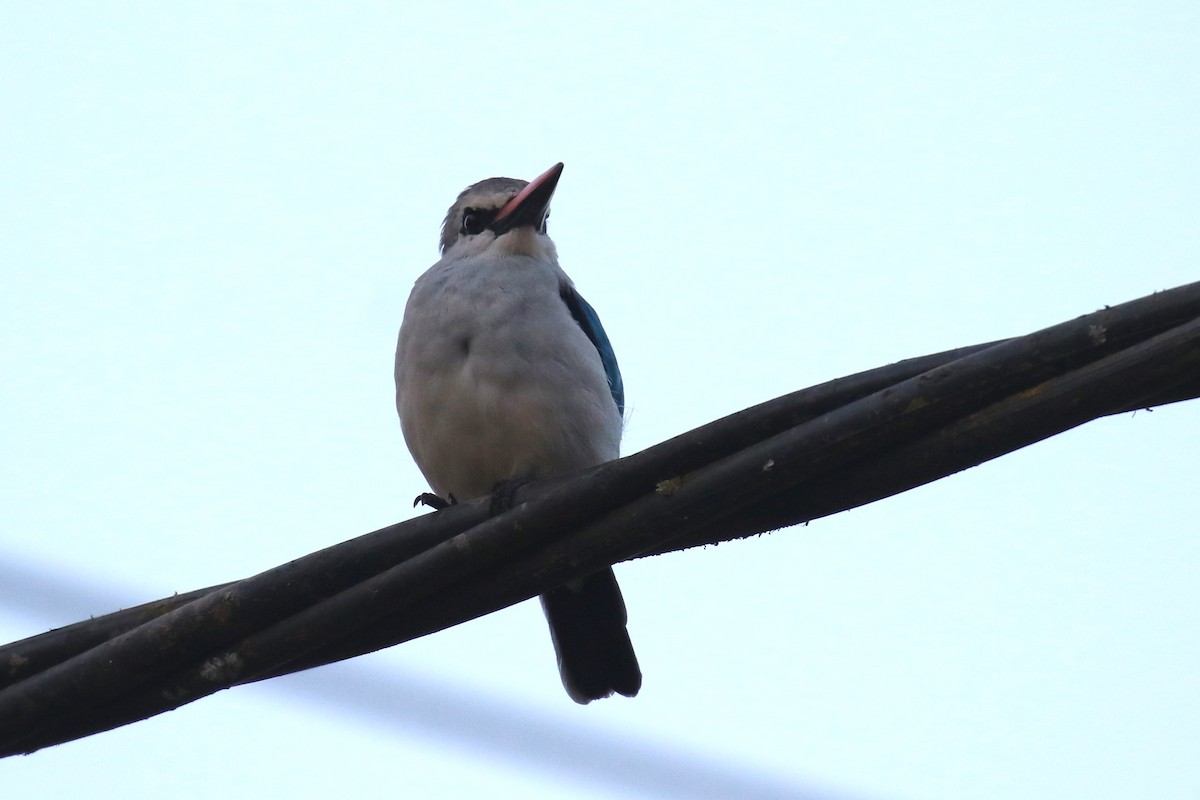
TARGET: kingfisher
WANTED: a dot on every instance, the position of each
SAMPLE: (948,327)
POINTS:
(504,374)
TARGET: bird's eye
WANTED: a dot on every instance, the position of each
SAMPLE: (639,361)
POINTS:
(474,221)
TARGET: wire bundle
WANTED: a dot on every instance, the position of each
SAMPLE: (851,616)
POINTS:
(799,457)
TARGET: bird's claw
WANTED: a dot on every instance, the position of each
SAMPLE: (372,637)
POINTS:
(504,496)
(433,501)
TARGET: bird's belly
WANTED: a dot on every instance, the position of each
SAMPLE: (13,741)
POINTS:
(487,420)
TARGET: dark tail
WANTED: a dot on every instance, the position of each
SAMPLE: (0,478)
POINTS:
(587,623)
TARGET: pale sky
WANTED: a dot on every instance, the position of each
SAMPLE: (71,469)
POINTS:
(210,218)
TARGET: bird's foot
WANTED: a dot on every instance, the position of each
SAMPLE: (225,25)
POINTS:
(504,495)
(433,501)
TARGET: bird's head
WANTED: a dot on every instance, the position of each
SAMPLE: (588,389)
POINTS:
(504,216)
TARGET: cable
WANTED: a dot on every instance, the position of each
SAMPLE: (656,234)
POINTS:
(812,453)
(405,702)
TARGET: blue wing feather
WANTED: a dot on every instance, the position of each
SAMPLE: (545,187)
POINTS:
(586,316)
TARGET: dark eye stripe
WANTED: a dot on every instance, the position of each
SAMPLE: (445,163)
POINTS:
(475,220)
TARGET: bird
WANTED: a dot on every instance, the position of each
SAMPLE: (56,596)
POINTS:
(504,374)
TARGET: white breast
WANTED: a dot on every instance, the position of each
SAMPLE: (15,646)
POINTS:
(495,380)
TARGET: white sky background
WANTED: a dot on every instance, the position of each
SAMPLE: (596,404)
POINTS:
(210,218)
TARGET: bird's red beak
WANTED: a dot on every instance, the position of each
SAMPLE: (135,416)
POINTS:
(528,206)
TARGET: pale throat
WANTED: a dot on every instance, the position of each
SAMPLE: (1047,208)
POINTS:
(525,242)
